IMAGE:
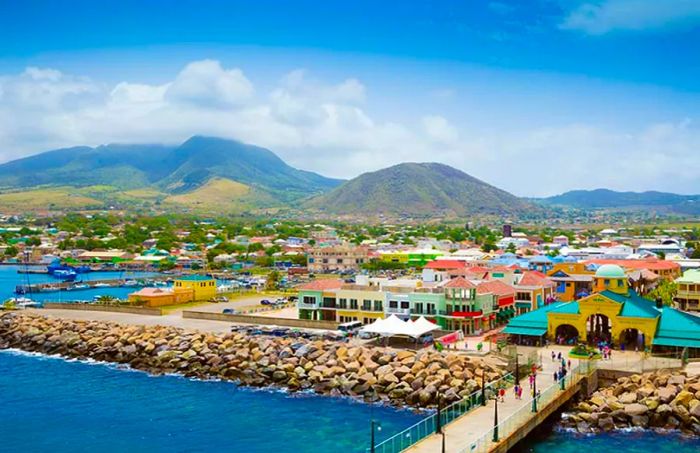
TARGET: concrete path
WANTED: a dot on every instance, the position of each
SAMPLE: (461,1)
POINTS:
(463,432)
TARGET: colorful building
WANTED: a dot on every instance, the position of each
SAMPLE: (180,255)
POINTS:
(311,299)
(532,291)
(196,287)
(688,295)
(158,297)
(614,313)
(363,303)
(668,270)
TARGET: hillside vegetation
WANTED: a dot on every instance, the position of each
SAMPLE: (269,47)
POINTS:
(419,190)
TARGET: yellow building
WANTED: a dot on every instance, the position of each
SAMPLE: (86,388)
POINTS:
(202,287)
(614,314)
(573,280)
(359,303)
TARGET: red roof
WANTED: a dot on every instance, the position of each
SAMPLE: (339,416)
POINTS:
(322,284)
(535,278)
(446,264)
(652,264)
(501,269)
(460,282)
(495,287)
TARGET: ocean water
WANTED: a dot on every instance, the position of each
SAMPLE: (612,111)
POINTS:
(52,405)
(9,279)
(554,441)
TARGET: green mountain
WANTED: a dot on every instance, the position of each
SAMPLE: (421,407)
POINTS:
(612,200)
(420,190)
(167,170)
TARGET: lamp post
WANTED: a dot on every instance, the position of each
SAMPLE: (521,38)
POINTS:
(495,418)
(373,423)
(517,368)
(534,391)
(483,388)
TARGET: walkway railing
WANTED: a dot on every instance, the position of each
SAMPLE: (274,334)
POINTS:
(522,415)
(427,427)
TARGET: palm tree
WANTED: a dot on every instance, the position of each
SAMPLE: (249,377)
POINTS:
(106,299)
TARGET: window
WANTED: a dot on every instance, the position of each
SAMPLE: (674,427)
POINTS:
(606,282)
(309,300)
(366,305)
(431,309)
(393,304)
(353,304)
(418,307)
(342,303)
(378,305)
(405,305)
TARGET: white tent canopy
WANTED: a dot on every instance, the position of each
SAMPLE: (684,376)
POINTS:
(393,326)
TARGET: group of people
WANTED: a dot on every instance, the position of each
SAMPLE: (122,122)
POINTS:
(564,366)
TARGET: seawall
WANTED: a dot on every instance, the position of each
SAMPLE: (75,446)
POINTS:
(403,378)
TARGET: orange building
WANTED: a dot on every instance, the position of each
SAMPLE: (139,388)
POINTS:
(668,270)
(158,297)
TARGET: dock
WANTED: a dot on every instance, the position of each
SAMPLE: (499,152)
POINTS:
(88,284)
(478,430)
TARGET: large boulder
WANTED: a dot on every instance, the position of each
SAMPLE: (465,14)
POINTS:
(636,409)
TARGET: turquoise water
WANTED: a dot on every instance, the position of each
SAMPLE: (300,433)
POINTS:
(629,442)
(52,405)
(9,279)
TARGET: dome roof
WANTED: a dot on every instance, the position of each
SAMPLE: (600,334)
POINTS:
(610,271)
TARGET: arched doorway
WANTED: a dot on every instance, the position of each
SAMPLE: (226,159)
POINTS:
(632,340)
(566,334)
(598,329)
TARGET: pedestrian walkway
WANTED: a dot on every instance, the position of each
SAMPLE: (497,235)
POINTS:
(463,433)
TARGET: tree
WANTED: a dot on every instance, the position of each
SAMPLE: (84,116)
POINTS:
(664,291)
(511,248)
(33,241)
(273,281)
(11,251)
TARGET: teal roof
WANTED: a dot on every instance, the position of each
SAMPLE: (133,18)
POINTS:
(690,276)
(536,319)
(570,308)
(677,328)
(524,331)
(633,305)
(610,271)
(195,278)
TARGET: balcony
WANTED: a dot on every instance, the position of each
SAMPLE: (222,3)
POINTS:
(398,311)
(306,306)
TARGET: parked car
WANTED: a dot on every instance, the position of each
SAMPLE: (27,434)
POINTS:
(229,311)
(220,299)
(265,302)
(280,301)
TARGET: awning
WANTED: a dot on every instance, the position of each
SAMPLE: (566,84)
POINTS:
(678,342)
(531,331)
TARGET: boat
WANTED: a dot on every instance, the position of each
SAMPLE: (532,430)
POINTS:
(80,286)
(63,274)
(130,283)
(23,302)
(101,285)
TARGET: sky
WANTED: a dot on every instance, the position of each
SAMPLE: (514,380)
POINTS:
(533,96)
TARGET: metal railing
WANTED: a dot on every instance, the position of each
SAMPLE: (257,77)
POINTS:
(427,427)
(512,423)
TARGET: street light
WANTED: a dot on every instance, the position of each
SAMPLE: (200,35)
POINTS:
(534,392)
(483,388)
(378,425)
(495,418)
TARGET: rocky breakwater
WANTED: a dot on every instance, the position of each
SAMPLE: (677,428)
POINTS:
(651,400)
(326,367)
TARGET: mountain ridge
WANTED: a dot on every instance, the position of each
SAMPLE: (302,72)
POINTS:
(419,189)
(625,200)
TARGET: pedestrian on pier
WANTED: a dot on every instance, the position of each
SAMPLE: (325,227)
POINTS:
(520,392)
(556,376)
(554,356)
(502,394)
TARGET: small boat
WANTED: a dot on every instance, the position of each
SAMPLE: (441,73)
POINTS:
(80,286)
(130,283)
(63,274)
(101,285)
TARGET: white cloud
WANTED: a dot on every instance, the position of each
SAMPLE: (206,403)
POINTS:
(439,129)
(329,128)
(598,18)
(205,83)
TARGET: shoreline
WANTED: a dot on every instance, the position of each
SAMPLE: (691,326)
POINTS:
(122,367)
(403,379)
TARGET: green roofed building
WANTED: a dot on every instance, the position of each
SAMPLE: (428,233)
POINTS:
(615,314)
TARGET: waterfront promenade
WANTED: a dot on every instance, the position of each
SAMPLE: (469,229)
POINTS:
(470,428)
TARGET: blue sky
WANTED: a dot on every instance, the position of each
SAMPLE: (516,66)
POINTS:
(536,97)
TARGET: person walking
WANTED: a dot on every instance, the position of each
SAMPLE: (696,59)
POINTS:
(502,394)
(554,356)
(556,376)
(520,393)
